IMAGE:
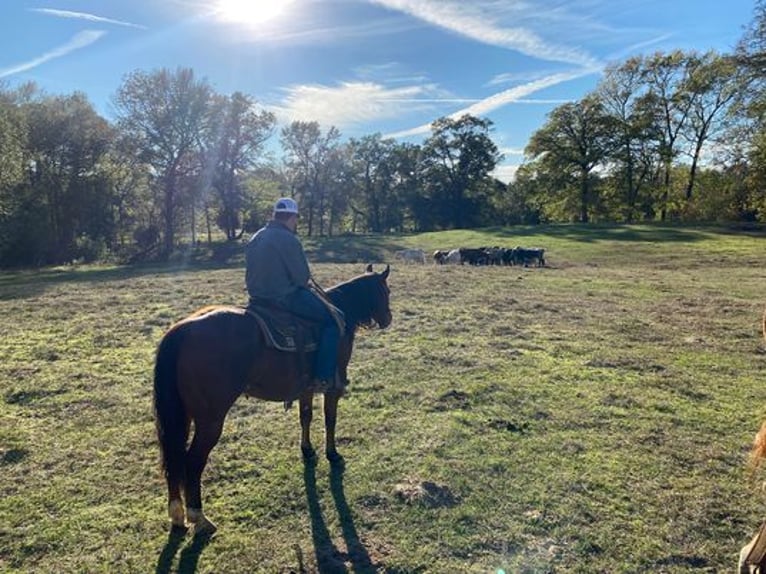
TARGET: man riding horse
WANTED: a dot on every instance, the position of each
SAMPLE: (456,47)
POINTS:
(277,274)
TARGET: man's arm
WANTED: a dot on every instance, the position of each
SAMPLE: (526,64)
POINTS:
(297,264)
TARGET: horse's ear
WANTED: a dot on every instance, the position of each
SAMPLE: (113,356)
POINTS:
(384,275)
(369,268)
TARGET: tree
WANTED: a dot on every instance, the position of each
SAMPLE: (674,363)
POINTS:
(307,153)
(576,138)
(237,137)
(12,142)
(668,77)
(633,154)
(399,211)
(713,86)
(375,165)
(67,142)
(747,137)
(456,160)
(165,113)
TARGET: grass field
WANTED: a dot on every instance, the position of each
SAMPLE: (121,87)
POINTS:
(590,416)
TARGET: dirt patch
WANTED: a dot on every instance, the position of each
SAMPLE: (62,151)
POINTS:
(425,493)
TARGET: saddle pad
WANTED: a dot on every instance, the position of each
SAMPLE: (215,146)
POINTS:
(284,331)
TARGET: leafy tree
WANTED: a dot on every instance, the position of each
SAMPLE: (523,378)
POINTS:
(456,161)
(386,176)
(398,212)
(67,142)
(235,144)
(713,86)
(747,136)
(307,153)
(634,153)
(668,77)
(166,114)
(575,140)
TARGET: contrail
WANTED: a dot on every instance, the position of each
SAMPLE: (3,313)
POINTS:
(498,100)
(80,40)
(85,16)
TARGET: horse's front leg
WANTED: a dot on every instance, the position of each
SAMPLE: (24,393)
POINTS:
(330,418)
(306,403)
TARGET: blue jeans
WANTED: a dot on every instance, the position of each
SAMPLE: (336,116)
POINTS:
(307,304)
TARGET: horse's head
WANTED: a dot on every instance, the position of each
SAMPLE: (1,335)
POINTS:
(381,310)
(364,299)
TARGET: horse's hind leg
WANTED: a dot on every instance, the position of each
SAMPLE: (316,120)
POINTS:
(175,500)
(206,435)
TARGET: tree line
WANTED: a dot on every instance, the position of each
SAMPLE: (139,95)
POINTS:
(667,136)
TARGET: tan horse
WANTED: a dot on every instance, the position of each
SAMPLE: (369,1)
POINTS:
(207,360)
(752,557)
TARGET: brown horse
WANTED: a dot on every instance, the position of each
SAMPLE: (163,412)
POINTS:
(207,360)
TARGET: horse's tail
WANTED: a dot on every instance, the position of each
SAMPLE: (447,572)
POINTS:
(169,414)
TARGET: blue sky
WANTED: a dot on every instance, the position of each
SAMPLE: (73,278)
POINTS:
(364,66)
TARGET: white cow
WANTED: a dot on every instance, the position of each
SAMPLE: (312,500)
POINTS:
(453,257)
(411,255)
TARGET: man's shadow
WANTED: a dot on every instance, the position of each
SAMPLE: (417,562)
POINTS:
(329,558)
(189,559)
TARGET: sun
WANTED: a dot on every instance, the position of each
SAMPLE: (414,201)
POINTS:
(250,12)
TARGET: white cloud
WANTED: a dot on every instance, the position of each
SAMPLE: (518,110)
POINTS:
(85,16)
(80,40)
(506,151)
(505,172)
(353,103)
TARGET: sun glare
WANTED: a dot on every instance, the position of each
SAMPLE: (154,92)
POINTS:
(250,12)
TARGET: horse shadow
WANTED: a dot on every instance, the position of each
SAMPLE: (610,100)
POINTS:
(329,558)
(190,555)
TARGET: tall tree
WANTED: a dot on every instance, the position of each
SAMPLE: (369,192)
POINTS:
(749,137)
(373,157)
(456,160)
(576,138)
(398,211)
(67,142)
(236,141)
(667,77)
(713,86)
(307,154)
(621,91)
(166,112)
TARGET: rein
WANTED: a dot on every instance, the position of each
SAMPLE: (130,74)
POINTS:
(334,311)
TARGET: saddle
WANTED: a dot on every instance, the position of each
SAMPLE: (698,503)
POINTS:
(284,330)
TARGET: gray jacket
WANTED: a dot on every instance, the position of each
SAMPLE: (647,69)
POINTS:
(276,265)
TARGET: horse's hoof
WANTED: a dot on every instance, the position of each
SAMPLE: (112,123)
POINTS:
(336,459)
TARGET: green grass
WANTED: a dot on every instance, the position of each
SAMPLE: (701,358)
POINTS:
(590,416)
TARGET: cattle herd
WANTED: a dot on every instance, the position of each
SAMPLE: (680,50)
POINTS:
(525,256)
